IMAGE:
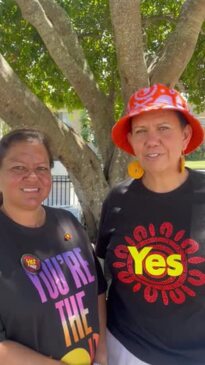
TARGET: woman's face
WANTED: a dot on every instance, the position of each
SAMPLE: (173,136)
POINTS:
(158,140)
(25,177)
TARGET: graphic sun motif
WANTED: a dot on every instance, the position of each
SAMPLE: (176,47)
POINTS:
(164,287)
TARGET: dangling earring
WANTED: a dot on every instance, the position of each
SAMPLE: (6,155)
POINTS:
(182,163)
(135,170)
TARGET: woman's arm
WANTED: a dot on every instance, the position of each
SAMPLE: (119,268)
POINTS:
(13,353)
(101,353)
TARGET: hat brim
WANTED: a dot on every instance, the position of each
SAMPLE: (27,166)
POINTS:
(121,129)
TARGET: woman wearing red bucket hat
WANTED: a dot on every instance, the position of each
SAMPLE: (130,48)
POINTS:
(152,236)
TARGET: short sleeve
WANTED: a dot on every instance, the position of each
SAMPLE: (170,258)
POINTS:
(102,284)
(102,237)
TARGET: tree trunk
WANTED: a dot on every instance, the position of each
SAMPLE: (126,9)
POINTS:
(93,174)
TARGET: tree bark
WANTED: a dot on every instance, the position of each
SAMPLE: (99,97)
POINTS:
(126,20)
(55,29)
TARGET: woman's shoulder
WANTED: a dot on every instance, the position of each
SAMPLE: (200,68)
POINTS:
(61,213)
(124,186)
(121,191)
(198,180)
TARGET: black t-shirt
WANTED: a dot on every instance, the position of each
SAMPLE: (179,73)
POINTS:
(154,247)
(49,287)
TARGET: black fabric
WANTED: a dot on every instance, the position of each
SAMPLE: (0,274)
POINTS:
(154,247)
(53,311)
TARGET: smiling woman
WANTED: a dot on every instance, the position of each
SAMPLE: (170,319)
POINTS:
(152,236)
(158,140)
(47,267)
(25,177)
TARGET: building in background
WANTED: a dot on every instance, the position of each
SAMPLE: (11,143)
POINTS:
(62,194)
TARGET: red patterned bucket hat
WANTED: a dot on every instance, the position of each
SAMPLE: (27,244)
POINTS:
(156,97)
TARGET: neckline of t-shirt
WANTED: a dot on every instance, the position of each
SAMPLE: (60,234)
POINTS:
(10,221)
(185,186)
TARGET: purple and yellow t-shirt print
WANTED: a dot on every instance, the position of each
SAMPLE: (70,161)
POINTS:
(68,297)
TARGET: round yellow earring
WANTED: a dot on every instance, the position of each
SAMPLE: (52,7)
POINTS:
(182,163)
(135,170)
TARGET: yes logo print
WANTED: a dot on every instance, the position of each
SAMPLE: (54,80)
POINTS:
(164,266)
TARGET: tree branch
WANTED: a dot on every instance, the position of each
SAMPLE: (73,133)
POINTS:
(126,20)
(20,108)
(180,44)
(56,31)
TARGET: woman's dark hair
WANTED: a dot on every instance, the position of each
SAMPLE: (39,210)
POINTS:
(24,135)
(182,119)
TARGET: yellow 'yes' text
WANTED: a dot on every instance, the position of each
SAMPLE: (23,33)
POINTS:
(155,264)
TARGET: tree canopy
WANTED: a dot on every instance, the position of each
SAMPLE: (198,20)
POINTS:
(92,55)
(25,51)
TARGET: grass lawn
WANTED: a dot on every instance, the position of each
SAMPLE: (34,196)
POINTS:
(200,165)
